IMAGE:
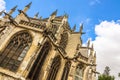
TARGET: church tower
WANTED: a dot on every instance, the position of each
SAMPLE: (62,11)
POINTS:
(33,48)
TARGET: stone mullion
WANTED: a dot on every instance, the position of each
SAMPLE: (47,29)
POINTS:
(6,52)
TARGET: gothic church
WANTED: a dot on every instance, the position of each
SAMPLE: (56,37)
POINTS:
(33,48)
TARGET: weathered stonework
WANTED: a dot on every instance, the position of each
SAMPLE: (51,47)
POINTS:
(47,58)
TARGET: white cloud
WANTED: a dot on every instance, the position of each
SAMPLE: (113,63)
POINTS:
(2,5)
(93,2)
(107,46)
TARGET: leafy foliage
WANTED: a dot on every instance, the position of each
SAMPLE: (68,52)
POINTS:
(105,77)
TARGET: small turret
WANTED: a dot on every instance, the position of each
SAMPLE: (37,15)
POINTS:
(66,15)
(74,28)
(65,18)
(88,44)
(81,29)
(53,15)
(1,12)
(27,7)
(95,55)
(92,47)
(40,17)
(12,10)
(36,15)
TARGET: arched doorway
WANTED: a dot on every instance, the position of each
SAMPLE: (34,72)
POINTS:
(12,56)
(36,68)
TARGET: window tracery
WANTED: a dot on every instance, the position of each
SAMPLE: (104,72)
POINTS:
(54,68)
(12,56)
(54,29)
(66,70)
(64,40)
(79,72)
(37,66)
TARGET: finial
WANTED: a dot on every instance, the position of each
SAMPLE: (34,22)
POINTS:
(66,15)
(36,15)
(54,13)
(40,17)
(27,7)
(88,43)
(1,12)
(10,18)
(74,28)
(12,10)
(92,47)
(81,29)
(95,54)
(52,16)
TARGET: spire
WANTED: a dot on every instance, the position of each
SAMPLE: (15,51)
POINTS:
(92,47)
(66,15)
(36,15)
(65,18)
(74,28)
(1,12)
(81,29)
(54,13)
(27,7)
(10,18)
(40,17)
(88,44)
(12,10)
(52,16)
(95,55)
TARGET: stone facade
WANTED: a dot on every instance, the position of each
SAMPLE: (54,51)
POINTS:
(43,49)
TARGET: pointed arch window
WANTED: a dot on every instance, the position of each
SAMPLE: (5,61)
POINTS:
(64,40)
(54,29)
(54,68)
(79,72)
(12,56)
(66,70)
(37,66)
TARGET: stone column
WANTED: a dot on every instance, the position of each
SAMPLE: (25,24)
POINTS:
(86,73)
(72,71)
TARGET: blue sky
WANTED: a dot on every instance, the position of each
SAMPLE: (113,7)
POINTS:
(88,12)
(101,19)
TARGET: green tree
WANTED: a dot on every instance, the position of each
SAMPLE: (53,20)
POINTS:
(118,74)
(106,75)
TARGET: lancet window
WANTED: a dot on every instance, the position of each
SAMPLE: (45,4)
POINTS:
(66,70)
(36,68)
(54,29)
(54,68)
(79,72)
(64,40)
